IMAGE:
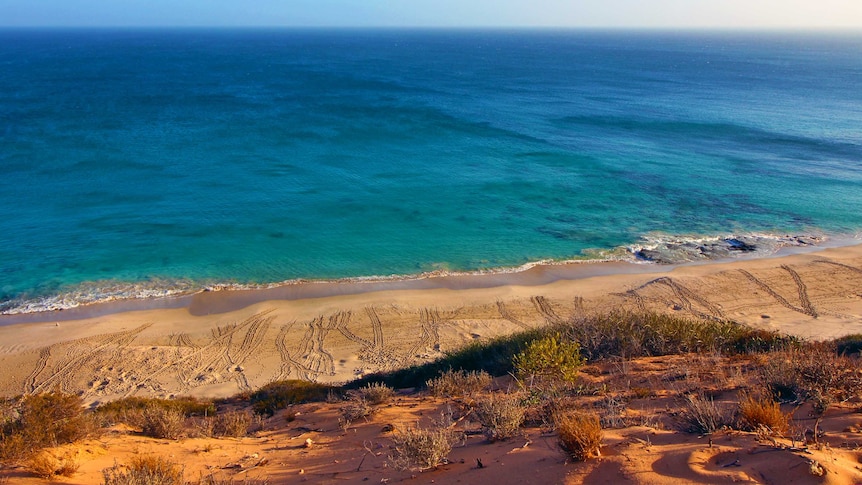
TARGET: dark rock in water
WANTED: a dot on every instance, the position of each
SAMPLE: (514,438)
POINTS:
(737,245)
(646,255)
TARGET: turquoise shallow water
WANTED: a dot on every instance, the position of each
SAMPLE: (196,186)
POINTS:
(140,163)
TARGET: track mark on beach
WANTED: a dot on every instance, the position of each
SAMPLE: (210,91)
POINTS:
(30,382)
(316,359)
(840,265)
(376,326)
(544,307)
(682,296)
(215,354)
(763,286)
(340,324)
(76,360)
(504,312)
(429,323)
(802,290)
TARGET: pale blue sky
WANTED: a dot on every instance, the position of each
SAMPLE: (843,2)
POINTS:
(437,13)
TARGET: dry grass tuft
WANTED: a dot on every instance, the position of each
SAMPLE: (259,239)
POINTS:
(234,424)
(47,466)
(580,434)
(422,449)
(145,470)
(453,383)
(758,413)
(355,408)
(376,393)
(702,415)
(163,422)
(501,415)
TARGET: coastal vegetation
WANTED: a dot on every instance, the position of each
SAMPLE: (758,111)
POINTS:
(550,378)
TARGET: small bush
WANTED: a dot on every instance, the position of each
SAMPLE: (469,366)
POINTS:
(42,420)
(47,466)
(234,424)
(354,409)
(131,410)
(580,434)
(550,359)
(453,383)
(278,395)
(422,449)
(759,413)
(850,345)
(501,415)
(376,393)
(702,415)
(144,470)
(163,422)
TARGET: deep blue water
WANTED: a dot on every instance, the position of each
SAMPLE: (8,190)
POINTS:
(136,161)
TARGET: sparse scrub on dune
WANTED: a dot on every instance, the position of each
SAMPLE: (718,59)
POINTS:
(234,424)
(580,434)
(144,470)
(376,393)
(814,373)
(452,383)
(353,409)
(632,334)
(759,413)
(278,395)
(163,422)
(501,415)
(422,449)
(493,357)
(132,410)
(34,422)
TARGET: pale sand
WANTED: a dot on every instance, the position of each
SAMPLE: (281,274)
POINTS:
(183,351)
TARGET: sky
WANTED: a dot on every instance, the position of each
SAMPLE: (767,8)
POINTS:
(689,14)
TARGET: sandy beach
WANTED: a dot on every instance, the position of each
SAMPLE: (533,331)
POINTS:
(216,346)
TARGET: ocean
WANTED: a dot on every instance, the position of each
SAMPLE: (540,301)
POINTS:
(146,163)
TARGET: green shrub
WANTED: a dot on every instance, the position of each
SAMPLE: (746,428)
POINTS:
(278,395)
(550,359)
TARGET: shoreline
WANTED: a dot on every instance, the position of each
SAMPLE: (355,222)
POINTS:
(225,298)
(338,332)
